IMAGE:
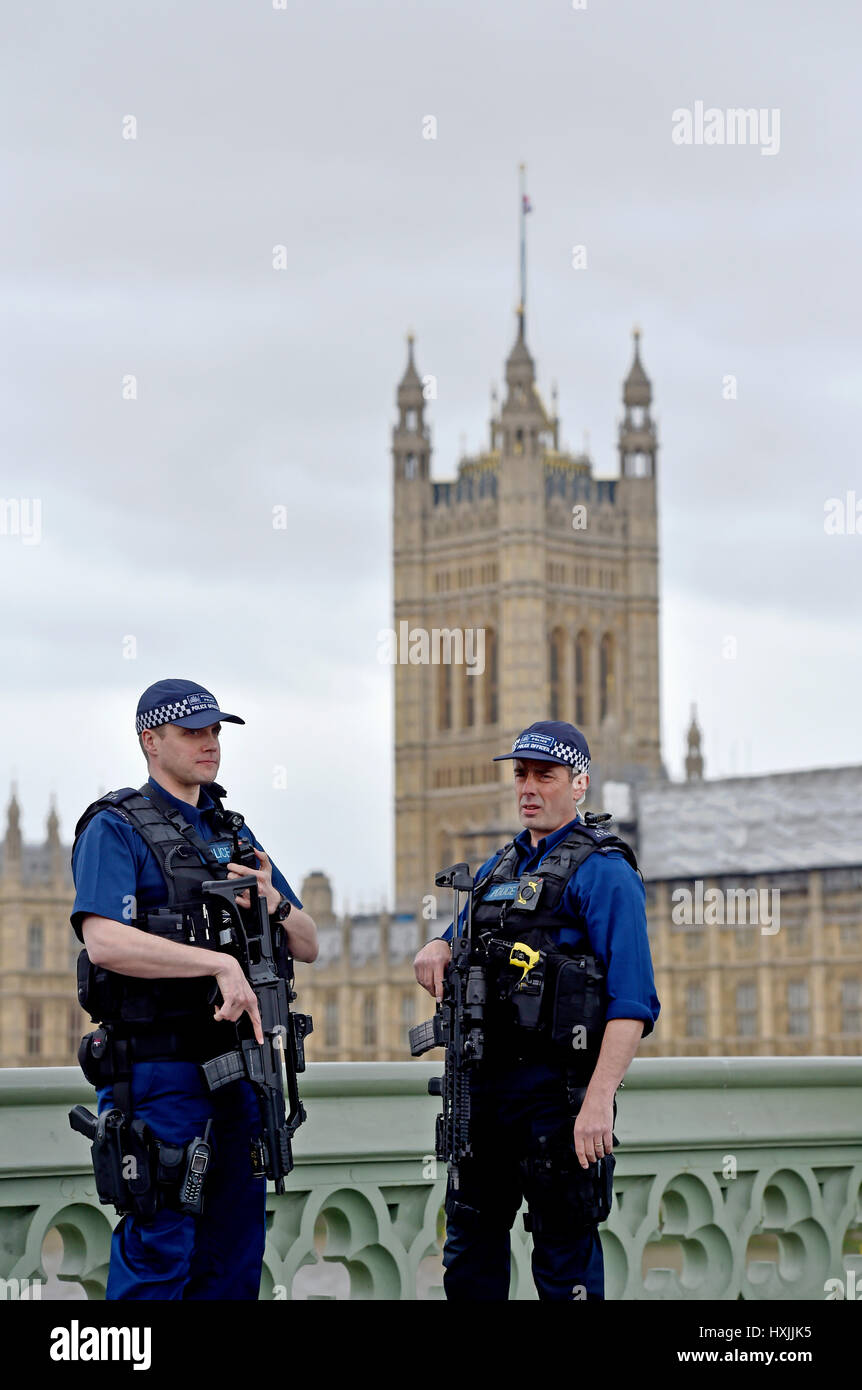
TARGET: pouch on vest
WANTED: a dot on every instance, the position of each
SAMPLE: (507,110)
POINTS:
(107,995)
(577,1004)
(517,986)
(98,990)
(94,1058)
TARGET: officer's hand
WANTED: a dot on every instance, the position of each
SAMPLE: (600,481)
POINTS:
(430,966)
(238,997)
(594,1130)
(263,874)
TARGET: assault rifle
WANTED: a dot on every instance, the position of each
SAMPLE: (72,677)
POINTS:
(273,1065)
(459,1026)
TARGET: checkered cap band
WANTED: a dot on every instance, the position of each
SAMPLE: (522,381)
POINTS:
(553,748)
(166,714)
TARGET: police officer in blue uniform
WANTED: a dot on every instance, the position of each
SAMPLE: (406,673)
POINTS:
(544,1103)
(168,1005)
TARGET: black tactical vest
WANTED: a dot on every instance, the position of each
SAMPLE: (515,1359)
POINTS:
(562,1003)
(520,907)
(137,1005)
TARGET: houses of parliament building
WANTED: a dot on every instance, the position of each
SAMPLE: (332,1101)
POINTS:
(540,584)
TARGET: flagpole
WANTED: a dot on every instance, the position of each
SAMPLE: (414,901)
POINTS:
(523,200)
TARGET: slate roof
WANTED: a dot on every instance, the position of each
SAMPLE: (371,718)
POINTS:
(748,825)
(36,865)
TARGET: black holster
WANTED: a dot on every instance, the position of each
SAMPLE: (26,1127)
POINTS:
(135,1172)
(565,1195)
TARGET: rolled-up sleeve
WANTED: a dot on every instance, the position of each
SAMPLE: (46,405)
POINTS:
(609,896)
(105,869)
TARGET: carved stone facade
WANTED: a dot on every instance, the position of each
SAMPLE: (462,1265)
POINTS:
(40,1021)
(553,574)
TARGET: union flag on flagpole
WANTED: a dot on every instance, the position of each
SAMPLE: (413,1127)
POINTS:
(525,203)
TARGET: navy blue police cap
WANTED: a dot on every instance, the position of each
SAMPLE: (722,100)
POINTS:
(180,702)
(551,741)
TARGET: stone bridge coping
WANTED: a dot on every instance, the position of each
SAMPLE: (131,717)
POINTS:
(56,1085)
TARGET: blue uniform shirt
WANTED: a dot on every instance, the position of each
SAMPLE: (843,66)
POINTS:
(608,896)
(118,877)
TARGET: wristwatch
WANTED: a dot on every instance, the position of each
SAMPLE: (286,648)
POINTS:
(282,910)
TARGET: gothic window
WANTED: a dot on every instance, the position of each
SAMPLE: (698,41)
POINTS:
(489,678)
(75,1033)
(469,698)
(851,1006)
(556,654)
(445,853)
(34,1031)
(408,1009)
(695,1011)
(410,419)
(35,946)
(582,679)
(606,676)
(410,466)
(746,1010)
(330,1020)
(797,1007)
(444,696)
(369,1020)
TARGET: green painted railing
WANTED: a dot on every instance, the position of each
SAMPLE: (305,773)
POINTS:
(736,1178)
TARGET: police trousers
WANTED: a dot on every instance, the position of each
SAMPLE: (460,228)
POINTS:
(520,1113)
(219,1253)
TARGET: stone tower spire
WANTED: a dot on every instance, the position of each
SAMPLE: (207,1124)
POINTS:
(694,757)
(52,840)
(12,839)
(411,445)
(638,440)
(524,424)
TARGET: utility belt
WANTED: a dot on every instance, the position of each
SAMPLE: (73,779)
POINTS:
(106,1054)
(544,1001)
(138,1173)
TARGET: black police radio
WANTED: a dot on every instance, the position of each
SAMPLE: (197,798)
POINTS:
(198,1161)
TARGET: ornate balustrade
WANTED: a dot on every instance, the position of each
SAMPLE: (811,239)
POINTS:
(736,1178)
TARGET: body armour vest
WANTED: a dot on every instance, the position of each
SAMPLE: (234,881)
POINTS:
(186,861)
(557,1006)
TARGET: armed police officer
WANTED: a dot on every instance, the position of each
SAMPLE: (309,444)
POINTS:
(564,994)
(171,1000)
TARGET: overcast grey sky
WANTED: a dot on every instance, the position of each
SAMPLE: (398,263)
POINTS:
(303,127)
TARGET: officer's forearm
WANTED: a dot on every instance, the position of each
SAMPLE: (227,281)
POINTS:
(302,935)
(129,951)
(619,1045)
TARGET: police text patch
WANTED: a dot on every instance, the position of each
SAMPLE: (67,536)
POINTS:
(502,892)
